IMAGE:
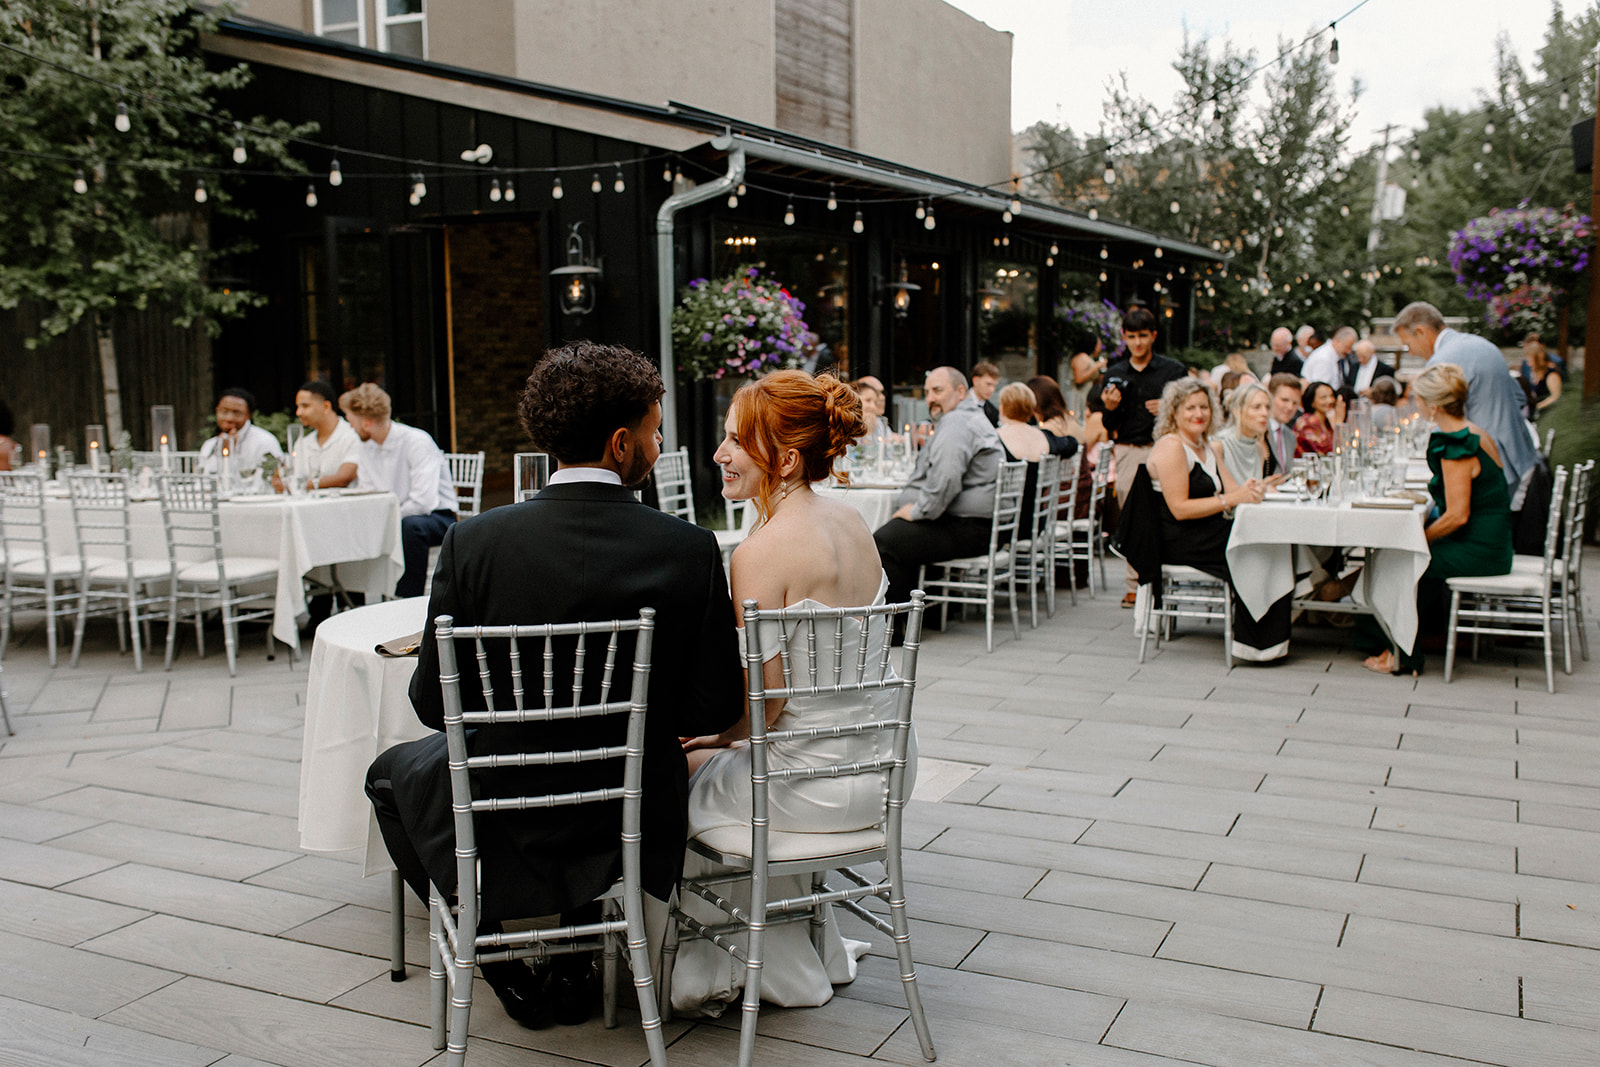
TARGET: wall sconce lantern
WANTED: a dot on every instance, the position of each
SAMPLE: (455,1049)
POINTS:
(989,300)
(580,278)
(900,292)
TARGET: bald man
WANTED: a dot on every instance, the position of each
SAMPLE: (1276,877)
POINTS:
(1365,368)
(1284,358)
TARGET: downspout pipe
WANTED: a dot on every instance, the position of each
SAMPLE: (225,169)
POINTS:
(665,274)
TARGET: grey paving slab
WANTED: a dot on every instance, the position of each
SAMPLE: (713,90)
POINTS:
(1203,1037)
(1228,803)
(1358,898)
(1328,859)
(937,817)
(217,901)
(1119,974)
(68,692)
(59,917)
(132,776)
(279,1030)
(1488,766)
(331,879)
(177,851)
(141,701)
(34,1036)
(364,931)
(188,709)
(46,865)
(1056,802)
(933,944)
(72,979)
(1476,1035)
(844,1024)
(36,824)
(1391,798)
(1039,920)
(1386,842)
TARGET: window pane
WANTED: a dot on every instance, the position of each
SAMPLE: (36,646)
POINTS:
(404,7)
(406,39)
(340,12)
(350,36)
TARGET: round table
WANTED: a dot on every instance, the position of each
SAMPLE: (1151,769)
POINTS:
(358,704)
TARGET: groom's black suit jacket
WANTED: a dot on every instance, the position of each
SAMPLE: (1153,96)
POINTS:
(576,552)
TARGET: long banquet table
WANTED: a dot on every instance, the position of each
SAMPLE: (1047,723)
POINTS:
(1267,537)
(358,532)
(875,502)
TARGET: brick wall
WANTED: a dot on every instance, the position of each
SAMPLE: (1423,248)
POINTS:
(497,325)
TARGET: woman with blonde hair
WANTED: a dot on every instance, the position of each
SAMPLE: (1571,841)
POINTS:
(784,433)
(1195,498)
(1241,445)
(1469,533)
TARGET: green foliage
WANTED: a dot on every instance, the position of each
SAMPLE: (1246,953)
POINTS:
(136,237)
(1202,358)
(1577,428)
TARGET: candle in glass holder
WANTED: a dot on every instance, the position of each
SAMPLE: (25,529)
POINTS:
(97,444)
(163,432)
(911,445)
(40,439)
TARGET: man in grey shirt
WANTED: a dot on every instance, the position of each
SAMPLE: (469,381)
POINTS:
(1494,399)
(946,508)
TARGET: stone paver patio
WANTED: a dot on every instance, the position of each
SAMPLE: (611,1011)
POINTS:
(1113,864)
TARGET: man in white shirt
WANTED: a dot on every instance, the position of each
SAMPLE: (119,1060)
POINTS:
(247,444)
(1323,364)
(328,455)
(403,460)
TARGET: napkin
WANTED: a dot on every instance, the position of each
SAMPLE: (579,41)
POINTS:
(400,646)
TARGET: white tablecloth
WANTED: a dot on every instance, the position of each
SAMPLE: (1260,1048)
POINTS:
(359,533)
(1261,556)
(876,504)
(357,705)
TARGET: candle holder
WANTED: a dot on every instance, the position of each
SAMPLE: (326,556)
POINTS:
(39,452)
(163,433)
(96,439)
(296,435)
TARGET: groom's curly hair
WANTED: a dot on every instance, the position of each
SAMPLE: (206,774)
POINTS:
(581,393)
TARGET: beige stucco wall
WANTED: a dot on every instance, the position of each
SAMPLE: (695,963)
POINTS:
(475,34)
(715,54)
(933,89)
(296,14)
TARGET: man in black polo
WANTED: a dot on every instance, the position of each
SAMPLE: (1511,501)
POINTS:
(1128,396)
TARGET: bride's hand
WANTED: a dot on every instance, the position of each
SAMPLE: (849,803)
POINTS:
(706,741)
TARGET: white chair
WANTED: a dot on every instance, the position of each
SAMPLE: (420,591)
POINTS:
(36,577)
(116,578)
(1061,531)
(1189,593)
(5,715)
(755,853)
(1549,441)
(204,574)
(1088,547)
(1510,605)
(1567,568)
(741,519)
(455,946)
(674,491)
(170,463)
(976,579)
(1035,547)
(466,471)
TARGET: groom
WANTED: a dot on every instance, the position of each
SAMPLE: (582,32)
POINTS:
(582,550)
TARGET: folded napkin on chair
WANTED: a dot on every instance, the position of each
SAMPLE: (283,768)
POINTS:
(400,646)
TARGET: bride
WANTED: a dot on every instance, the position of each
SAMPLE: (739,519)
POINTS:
(784,433)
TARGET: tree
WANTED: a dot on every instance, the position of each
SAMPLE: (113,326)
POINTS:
(109,124)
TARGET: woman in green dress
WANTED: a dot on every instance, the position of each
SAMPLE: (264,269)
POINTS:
(1469,531)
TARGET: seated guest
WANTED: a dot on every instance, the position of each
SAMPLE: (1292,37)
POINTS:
(1285,391)
(1242,445)
(1285,360)
(1195,500)
(946,508)
(1314,430)
(583,550)
(1384,394)
(874,404)
(1021,440)
(1053,416)
(8,426)
(1325,364)
(1540,379)
(403,460)
(329,451)
(1085,369)
(1471,535)
(247,443)
(783,434)
(985,376)
(1366,368)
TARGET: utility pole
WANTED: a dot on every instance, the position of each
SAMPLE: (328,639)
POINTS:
(1591,375)
(1377,193)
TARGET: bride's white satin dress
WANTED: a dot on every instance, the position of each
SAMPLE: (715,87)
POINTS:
(705,979)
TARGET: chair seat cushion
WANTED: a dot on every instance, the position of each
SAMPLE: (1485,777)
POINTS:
(143,569)
(730,538)
(783,847)
(1533,566)
(1177,572)
(237,568)
(59,566)
(1512,584)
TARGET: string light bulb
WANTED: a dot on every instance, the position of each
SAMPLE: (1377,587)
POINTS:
(1158,252)
(1488,129)
(1055,249)
(666,171)
(311,195)
(1094,213)
(1105,253)
(122,122)
(922,212)
(1049,261)
(335,176)
(511,190)
(239,154)
(556,192)
(1565,100)
(1344,210)
(929,222)
(860,225)
(494,190)
(677,175)
(741,189)
(619,185)
(788,214)
(200,191)
(419,187)
(80,184)
(1174,207)
(1110,175)
(833,201)
(733,199)
(594,183)
(1333,52)
(1102,275)
(1006,241)
(1005,216)
(1487,148)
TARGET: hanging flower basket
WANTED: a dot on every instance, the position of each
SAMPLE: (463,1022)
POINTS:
(1082,322)
(1505,251)
(740,326)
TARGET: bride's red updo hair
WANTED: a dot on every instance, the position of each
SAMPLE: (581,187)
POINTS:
(819,418)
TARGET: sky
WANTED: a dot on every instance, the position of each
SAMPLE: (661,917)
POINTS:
(1408,54)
